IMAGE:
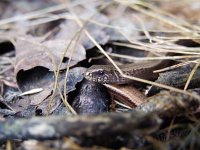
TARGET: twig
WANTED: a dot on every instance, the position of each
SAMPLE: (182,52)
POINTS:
(79,126)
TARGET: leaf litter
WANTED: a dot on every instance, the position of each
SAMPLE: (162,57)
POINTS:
(52,44)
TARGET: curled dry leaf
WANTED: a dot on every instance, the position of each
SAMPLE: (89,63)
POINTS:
(34,67)
(30,54)
(39,102)
(42,78)
(75,75)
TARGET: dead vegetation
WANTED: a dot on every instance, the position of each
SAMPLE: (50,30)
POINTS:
(46,48)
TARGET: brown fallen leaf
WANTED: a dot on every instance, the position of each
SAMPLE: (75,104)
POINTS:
(42,78)
(30,54)
(69,28)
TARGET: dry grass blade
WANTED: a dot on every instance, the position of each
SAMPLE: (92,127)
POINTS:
(191,74)
(153,14)
(175,66)
(144,29)
(56,72)
(67,71)
(170,128)
(149,48)
(153,58)
(8,145)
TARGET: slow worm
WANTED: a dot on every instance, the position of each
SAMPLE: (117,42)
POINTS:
(107,74)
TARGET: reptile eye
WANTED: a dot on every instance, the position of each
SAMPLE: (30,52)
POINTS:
(101,73)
